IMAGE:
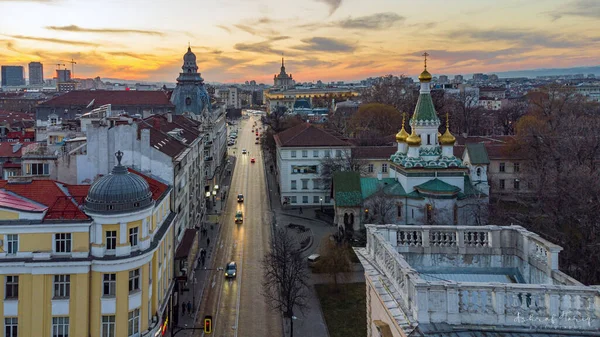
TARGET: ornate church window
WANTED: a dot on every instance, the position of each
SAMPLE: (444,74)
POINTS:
(188,101)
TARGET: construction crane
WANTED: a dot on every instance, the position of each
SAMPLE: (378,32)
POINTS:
(58,66)
(73,63)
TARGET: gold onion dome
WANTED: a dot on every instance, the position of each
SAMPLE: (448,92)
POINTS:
(402,134)
(447,138)
(413,139)
(425,76)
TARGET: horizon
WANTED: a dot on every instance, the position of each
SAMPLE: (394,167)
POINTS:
(320,39)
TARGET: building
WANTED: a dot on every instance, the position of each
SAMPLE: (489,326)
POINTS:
(21,101)
(480,281)
(300,152)
(492,92)
(87,261)
(592,92)
(443,79)
(230,96)
(63,75)
(374,160)
(490,103)
(76,103)
(12,76)
(427,183)
(282,80)
(36,73)
(458,79)
(190,94)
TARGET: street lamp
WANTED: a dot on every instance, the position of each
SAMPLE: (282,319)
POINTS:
(321,204)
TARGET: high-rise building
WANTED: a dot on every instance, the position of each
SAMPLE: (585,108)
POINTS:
(12,76)
(36,73)
(63,75)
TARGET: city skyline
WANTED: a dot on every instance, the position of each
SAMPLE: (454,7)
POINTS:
(238,40)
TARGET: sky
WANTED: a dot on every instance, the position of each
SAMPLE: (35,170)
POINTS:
(330,40)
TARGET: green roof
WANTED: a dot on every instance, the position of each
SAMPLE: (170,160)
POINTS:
(436,185)
(389,186)
(470,190)
(424,110)
(477,153)
(346,189)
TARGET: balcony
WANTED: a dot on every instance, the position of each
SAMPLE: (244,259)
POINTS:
(505,277)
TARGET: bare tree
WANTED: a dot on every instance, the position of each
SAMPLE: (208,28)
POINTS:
(285,276)
(466,114)
(335,259)
(392,90)
(381,208)
(346,162)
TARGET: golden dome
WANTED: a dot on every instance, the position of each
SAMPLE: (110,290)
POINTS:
(402,134)
(425,76)
(447,138)
(413,139)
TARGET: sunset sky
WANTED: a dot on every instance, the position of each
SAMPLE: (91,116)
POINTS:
(238,40)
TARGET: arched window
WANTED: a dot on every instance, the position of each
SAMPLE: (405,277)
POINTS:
(478,171)
(352,218)
(346,219)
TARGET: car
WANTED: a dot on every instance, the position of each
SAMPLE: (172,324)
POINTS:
(252,160)
(256,142)
(313,259)
(244,151)
(240,198)
(239,217)
(256,133)
(256,138)
(231,270)
(252,130)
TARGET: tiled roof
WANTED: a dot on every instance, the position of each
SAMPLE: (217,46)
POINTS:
(389,186)
(13,201)
(7,149)
(373,152)
(307,135)
(188,133)
(15,117)
(9,164)
(424,110)
(346,189)
(460,140)
(51,194)
(437,185)
(102,97)
(477,153)
(156,187)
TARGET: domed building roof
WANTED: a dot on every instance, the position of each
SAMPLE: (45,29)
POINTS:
(189,56)
(118,192)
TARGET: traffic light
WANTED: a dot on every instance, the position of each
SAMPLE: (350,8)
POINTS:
(207,324)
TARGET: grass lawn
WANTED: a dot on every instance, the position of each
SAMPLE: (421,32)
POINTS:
(345,311)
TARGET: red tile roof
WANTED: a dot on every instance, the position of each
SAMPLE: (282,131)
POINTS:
(7,149)
(374,152)
(13,201)
(156,187)
(15,117)
(160,139)
(102,97)
(188,133)
(9,164)
(50,193)
(307,135)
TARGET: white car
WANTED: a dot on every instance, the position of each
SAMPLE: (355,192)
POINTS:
(244,151)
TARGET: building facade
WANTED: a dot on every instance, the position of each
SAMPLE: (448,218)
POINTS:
(36,73)
(86,261)
(12,76)
(283,80)
(190,94)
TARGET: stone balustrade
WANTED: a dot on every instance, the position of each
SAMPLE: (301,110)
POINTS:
(562,304)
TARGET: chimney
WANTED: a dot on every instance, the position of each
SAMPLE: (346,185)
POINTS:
(169,117)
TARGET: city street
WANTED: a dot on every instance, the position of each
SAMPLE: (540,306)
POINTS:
(236,304)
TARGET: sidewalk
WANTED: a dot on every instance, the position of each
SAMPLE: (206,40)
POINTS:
(212,226)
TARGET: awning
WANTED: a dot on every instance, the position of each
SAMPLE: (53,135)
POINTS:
(186,244)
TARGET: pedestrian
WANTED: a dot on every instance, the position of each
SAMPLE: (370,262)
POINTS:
(300,210)
(189,307)
(183,307)
(207,242)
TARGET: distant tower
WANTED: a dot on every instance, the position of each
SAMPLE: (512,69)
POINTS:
(36,73)
(190,94)
(283,80)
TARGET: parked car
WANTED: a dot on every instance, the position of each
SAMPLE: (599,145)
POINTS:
(312,259)
(231,270)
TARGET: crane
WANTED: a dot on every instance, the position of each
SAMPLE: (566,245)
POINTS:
(58,66)
(73,63)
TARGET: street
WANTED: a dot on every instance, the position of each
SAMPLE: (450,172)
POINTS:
(237,305)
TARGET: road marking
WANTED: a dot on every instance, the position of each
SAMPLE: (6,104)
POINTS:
(239,292)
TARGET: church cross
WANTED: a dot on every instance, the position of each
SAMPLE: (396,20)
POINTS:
(425,54)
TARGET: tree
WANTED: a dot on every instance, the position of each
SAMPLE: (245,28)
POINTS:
(466,114)
(509,114)
(381,208)
(335,259)
(285,276)
(392,90)
(346,162)
(375,119)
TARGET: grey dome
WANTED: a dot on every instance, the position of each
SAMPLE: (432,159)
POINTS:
(189,57)
(119,192)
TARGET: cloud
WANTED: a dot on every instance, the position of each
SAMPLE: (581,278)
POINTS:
(74,28)
(359,64)
(261,47)
(581,8)
(454,57)
(38,1)
(326,44)
(376,21)
(522,38)
(51,40)
(256,30)
(225,28)
(333,5)
(127,54)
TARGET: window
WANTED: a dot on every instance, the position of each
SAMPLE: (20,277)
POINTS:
(108,326)
(370,168)
(294,200)
(109,284)
(501,184)
(111,240)
(478,171)
(134,280)
(133,323)
(62,286)
(516,167)
(315,199)
(399,210)
(338,153)
(384,168)
(62,242)
(60,326)
(304,184)
(502,167)
(316,184)
(327,199)
(12,243)
(516,184)
(11,327)
(11,291)
(293,153)
(305,199)
(38,169)
(133,236)
(428,139)
(327,153)
(315,153)
(293,184)
(304,153)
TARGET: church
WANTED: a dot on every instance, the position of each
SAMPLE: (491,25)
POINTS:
(427,183)
(190,94)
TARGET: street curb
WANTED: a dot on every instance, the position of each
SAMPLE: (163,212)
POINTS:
(312,239)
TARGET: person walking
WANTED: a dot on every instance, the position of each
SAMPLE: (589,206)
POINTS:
(183,308)
(207,242)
